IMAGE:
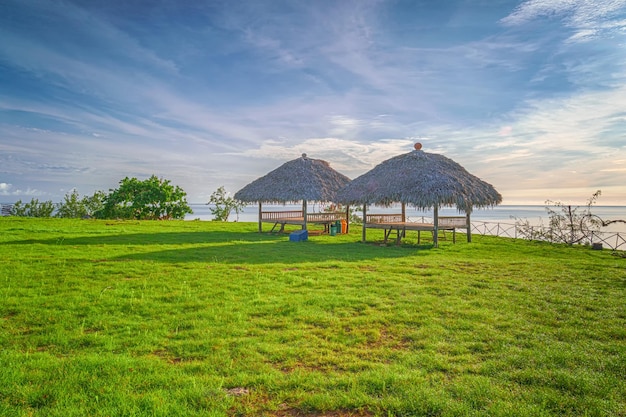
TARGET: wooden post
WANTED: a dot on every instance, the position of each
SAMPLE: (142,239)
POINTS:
(436,226)
(468,224)
(304,214)
(260,215)
(347,219)
(403,212)
(364,222)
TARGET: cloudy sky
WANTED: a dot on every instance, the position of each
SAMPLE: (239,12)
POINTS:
(528,95)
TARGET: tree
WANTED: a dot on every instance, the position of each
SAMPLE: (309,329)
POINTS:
(353,216)
(94,203)
(224,205)
(34,208)
(75,207)
(566,224)
(152,199)
(71,206)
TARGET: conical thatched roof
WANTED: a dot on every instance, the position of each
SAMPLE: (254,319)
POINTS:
(303,179)
(422,179)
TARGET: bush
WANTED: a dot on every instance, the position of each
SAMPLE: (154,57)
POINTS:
(152,199)
(34,208)
(75,207)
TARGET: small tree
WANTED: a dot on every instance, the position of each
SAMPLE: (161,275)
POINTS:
(75,207)
(93,204)
(34,208)
(566,224)
(71,206)
(151,199)
(353,216)
(224,205)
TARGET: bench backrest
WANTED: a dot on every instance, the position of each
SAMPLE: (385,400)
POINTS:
(323,217)
(383,218)
(452,221)
(276,215)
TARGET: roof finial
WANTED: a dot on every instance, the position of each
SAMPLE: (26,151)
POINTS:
(417,146)
(303,156)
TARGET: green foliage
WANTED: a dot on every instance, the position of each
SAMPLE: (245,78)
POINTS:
(152,199)
(223,205)
(73,206)
(34,208)
(355,218)
(144,318)
(94,203)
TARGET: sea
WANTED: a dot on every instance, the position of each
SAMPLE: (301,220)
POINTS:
(505,214)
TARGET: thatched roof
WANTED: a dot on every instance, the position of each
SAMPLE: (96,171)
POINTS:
(422,179)
(303,179)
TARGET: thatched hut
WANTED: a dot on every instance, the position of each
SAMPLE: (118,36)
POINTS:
(302,179)
(424,180)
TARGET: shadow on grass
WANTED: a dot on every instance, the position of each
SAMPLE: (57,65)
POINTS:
(278,251)
(161,238)
(233,247)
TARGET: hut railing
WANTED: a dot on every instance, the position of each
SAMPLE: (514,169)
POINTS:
(274,216)
(279,215)
(383,218)
(325,217)
(459,222)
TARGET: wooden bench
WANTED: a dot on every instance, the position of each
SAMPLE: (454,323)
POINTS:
(296,217)
(393,222)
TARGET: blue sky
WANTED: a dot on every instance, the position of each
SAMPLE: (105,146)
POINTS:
(528,95)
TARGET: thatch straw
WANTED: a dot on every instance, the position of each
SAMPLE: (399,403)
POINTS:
(421,179)
(303,179)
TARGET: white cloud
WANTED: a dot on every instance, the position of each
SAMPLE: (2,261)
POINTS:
(587,18)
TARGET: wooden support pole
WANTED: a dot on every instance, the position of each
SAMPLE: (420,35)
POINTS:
(436,227)
(403,212)
(468,225)
(364,222)
(260,215)
(304,214)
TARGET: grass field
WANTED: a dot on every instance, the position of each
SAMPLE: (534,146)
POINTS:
(196,318)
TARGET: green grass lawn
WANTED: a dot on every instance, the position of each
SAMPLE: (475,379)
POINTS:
(106,318)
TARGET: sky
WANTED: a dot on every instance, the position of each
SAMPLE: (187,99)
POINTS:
(530,96)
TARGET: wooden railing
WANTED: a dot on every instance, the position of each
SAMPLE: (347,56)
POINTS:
(459,222)
(325,217)
(273,216)
(384,218)
(277,215)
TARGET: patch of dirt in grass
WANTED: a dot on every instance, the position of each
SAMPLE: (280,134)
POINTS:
(163,354)
(9,314)
(387,340)
(288,412)
(368,268)
(466,267)
(237,391)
